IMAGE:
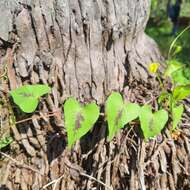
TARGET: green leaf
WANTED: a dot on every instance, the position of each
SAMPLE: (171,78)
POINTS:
(26,97)
(132,112)
(152,124)
(181,92)
(79,119)
(114,112)
(176,116)
(173,65)
(118,113)
(181,76)
(5,142)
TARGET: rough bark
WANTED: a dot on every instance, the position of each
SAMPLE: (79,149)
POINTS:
(85,49)
(85,45)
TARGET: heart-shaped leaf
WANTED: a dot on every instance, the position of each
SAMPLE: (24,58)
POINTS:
(26,97)
(118,113)
(152,124)
(79,119)
(177,115)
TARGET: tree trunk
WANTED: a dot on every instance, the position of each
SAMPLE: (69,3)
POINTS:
(84,49)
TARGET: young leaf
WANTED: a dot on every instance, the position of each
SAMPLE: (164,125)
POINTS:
(26,97)
(119,114)
(181,76)
(176,116)
(79,119)
(152,124)
(181,92)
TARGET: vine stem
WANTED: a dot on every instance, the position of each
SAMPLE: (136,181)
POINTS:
(21,164)
(50,114)
(55,181)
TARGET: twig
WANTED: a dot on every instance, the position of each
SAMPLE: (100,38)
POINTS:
(52,182)
(156,152)
(55,181)
(37,117)
(20,164)
(98,181)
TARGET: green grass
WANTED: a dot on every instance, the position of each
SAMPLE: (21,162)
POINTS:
(159,28)
(161,34)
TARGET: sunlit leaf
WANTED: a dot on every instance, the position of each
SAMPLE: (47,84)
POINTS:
(181,76)
(118,113)
(177,115)
(181,92)
(152,124)
(79,119)
(26,97)
(132,111)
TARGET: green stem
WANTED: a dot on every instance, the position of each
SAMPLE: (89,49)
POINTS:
(174,41)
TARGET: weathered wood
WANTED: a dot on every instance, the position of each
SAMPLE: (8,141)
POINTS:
(85,45)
